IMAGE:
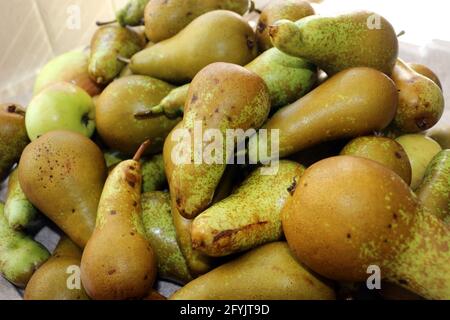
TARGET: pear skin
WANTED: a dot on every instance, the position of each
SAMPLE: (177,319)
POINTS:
(153,175)
(434,191)
(118,262)
(266,273)
(292,10)
(109,43)
(355,102)
(160,230)
(69,67)
(250,216)
(62,174)
(20,255)
(366,215)
(51,281)
(19,211)
(421,101)
(222,96)
(13,136)
(132,14)
(117,109)
(426,72)
(217,36)
(164,19)
(385,151)
(336,43)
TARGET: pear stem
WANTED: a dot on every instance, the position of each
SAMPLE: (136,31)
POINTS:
(105,23)
(401,33)
(253,8)
(141,150)
(123,59)
(15,109)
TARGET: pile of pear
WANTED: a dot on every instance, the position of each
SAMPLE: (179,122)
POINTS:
(358,179)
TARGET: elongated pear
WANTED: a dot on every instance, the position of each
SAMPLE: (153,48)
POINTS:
(19,211)
(20,256)
(426,72)
(62,174)
(107,45)
(132,14)
(434,191)
(164,19)
(118,262)
(250,216)
(421,101)
(366,216)
(13,136)
(266,273)
(58,278)
(222,97)
(160,230)
(336,43)
(217,36)
(355,102)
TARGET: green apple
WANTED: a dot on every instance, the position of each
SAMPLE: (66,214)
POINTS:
(61,106)
(420,150)
(70,67)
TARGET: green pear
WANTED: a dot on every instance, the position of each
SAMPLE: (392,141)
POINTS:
(217,36)
(287,78)
(292,10)
(51,281)
(267,273)
(118,110)
(421,101)
(62,174)
(61,106)
(250,216)
(222,97)
(160,230)
(20,255)
(336,43)
(132,14)
(385,151)
(19,211)
(118,262)
(420,150)
(354,102)
(108,44)
(69,67)
(434,191)
(164,19)
(13,136)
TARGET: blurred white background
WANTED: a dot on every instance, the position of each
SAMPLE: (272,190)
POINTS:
(34,31)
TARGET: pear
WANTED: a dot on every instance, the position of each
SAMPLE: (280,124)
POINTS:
(118,262)
(20,255)
(51,281)
(385,151)
(117,119)
(292,10)
(217,36)
(222,97)
(62,174)
(164,19)
(132,14)
(366,215)
(426,72)
(153,175)
(19,211)
(441,134)
(266,273)
(109,43)
(60,106)
(287,78)
(160,230)
(69,67)
(13,136)
(250,216)
(421,101)
(352,103)
(434,191)
(336,43)
(420,150)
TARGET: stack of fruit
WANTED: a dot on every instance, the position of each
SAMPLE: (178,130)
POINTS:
(345,180)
